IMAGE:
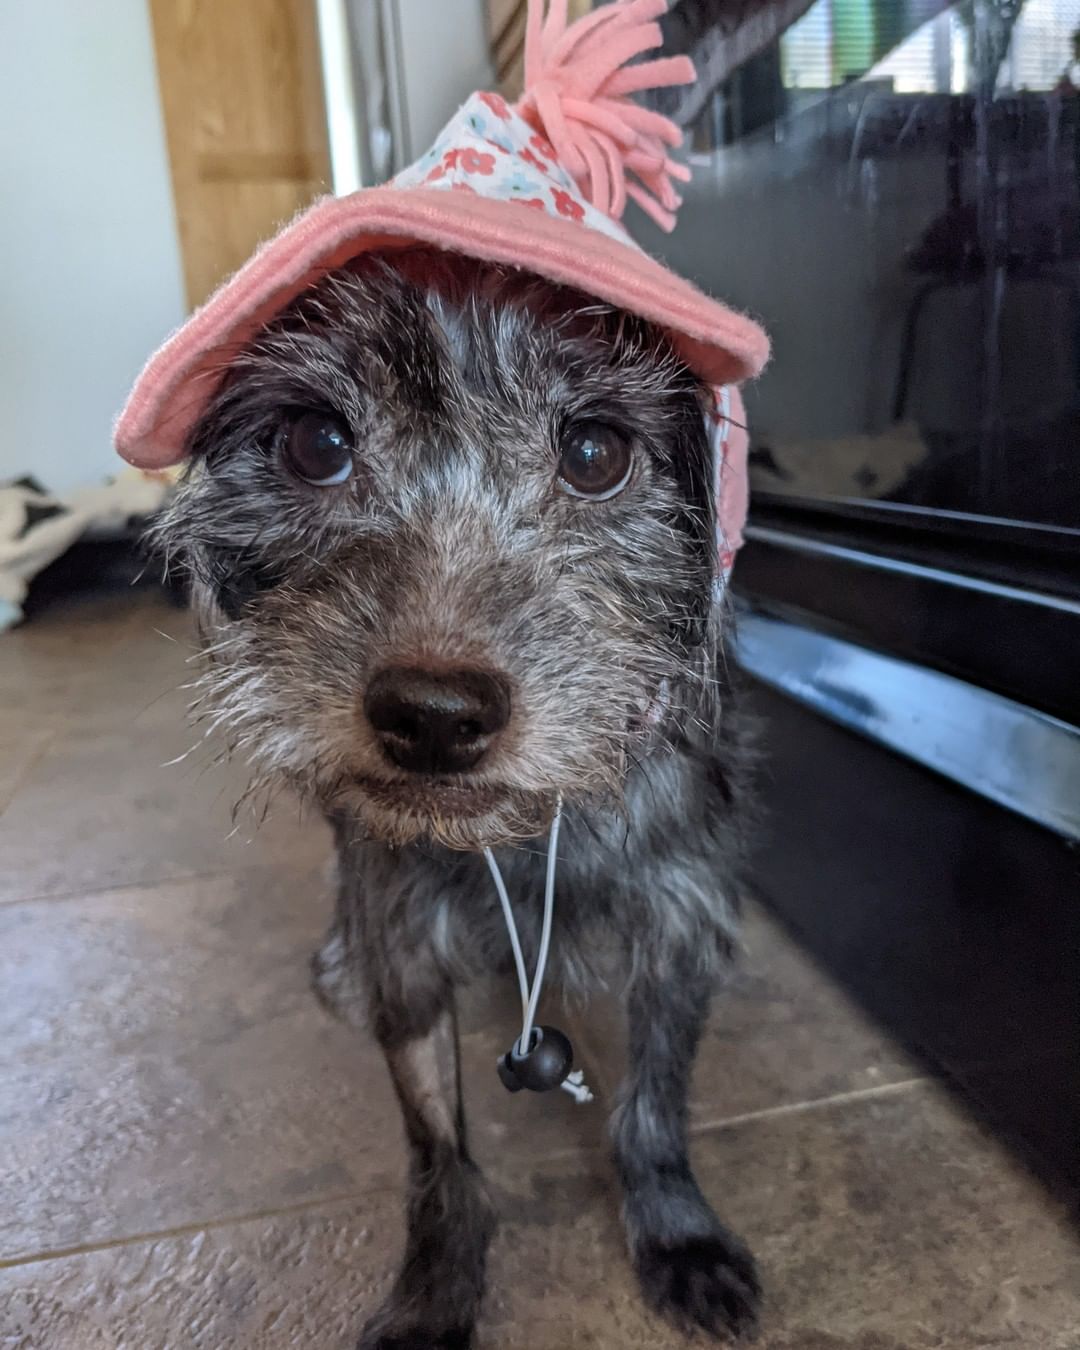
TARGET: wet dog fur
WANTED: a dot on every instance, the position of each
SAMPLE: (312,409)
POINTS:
(454,545)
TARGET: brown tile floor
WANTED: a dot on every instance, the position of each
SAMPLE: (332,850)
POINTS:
(192,1155)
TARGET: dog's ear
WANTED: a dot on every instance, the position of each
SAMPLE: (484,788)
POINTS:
(189,540)
(692,468)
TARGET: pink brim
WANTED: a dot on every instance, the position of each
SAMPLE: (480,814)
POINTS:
(721,346)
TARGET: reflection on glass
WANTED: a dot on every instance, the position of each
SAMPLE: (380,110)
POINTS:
(893,188)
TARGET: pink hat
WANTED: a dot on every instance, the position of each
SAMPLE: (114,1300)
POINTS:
(541,186)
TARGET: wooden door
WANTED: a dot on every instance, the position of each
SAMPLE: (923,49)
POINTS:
(242,93)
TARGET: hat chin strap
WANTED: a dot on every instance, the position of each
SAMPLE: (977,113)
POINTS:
(541,1057)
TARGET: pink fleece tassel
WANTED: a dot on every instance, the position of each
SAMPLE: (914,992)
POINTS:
(578,82)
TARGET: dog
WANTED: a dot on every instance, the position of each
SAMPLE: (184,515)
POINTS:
(450,536)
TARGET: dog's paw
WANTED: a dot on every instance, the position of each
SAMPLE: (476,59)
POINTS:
(416,1338)
(708,1284)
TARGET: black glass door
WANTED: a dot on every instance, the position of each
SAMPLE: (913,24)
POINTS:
(893,187)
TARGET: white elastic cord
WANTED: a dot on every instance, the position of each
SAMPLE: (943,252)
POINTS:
(511,928)
(530,998)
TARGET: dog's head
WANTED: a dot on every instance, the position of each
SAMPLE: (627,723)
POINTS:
(451,540)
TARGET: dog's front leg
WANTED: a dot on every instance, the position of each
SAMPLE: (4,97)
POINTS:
(437,1292)
(690,1267)
(377,971)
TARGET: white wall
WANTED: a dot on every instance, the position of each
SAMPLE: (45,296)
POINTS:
(90,278)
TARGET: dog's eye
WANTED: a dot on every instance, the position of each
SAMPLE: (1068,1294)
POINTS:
(319,449)
(595,461)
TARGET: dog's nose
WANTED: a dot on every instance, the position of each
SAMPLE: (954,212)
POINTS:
(429,723)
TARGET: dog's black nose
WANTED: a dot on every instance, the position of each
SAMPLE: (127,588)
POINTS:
(429,723)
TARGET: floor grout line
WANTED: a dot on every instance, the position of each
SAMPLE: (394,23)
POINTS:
(318,1202)
(149,884)
(37,755)
(811,1104)
(766,1113)
(186,1229)
(152,883)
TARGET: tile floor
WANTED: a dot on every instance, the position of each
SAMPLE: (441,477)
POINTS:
(193,1156)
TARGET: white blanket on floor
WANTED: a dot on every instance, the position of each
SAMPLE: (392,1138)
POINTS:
(36,528)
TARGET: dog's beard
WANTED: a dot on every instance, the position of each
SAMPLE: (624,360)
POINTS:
(443,814)
(290,736)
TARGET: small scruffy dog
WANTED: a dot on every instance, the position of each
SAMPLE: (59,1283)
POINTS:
(450,531)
